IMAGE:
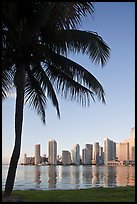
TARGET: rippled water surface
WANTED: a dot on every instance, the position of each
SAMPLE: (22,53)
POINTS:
(70,177)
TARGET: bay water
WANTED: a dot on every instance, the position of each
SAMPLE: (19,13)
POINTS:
(70,177)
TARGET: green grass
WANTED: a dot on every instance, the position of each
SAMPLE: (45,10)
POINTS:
(116,194)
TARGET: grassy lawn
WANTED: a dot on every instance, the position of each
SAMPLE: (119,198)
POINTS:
(116,194)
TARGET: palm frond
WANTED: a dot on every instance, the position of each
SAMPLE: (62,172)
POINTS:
(41,76)
(34,95)
(77,73)
(85,42)
(68,87)
(7,82)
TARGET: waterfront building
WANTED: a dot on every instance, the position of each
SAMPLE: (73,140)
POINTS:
(28,160)
(43,159)
(96,153)
(109,150)
(126,149)
(75,154)
(101,155)
(66,157)
(37,154)
(52,150)
(122,151)
(85,156)
(90,152)
(131,142)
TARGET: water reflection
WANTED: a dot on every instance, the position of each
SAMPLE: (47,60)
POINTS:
(75,176)
(71,177)
(87,175)
(37,176)
(109,176)
(125,176)
(52,176)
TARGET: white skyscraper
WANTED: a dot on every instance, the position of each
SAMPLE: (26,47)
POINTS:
(52,148)
(75,154)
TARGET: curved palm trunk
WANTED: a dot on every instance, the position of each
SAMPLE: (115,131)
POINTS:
(20,83)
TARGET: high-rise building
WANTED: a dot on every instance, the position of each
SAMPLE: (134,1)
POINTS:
(66,157)
(90,152)
(109,150)
(37,154)
(101,155)
(131,142)
(85,156)
(96,153)
(75,154)
(52,148)
(122,151)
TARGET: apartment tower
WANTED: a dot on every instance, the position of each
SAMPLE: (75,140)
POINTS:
(96,153)
(122,151)
(52,148)
(85,156)
(90,152)
(109,150)
(66,157)
(37,154)
(75,154)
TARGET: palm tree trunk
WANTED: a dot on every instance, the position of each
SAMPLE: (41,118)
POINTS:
(20,83)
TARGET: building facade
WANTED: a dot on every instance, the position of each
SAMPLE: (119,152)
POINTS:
(96,153)
(122,151)
(75,154)
(126,149)
(131,142)
(90,152)
(37,154)
(66,157)
(85,156)
(109,150)
(52,149)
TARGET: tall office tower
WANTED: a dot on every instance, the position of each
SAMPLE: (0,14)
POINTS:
(66,157)
(131,142)
(90,152)
(85,156)
(132,145)
(52,158)
(122,151)
(96,152)
(109,150)
(101,156)
(37,154)
(75,154)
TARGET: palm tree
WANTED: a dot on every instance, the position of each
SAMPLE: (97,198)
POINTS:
(36,39)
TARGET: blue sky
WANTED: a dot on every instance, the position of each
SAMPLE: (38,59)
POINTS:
(115,23)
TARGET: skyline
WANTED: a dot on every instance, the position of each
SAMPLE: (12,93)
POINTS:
(115,23)
(125,139)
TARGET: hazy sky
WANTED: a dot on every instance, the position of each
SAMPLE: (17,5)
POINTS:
(115,23)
